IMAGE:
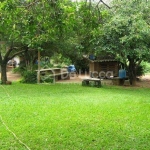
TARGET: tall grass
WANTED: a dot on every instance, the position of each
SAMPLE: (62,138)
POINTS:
(72,117)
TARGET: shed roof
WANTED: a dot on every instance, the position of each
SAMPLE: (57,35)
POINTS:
(103,58)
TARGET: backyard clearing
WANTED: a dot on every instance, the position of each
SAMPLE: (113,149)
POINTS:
(143,81)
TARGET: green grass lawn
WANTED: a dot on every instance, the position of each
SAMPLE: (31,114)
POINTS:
(73,117)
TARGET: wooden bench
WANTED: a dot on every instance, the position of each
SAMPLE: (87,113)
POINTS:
(118,81)
(53,74)
(92,82)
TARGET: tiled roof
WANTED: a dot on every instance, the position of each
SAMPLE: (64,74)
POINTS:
(103,58)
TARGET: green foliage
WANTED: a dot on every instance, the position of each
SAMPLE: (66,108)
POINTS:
(19,70)
(28,73)
(126,34)
(82,65)
(46,79)
(60,60)
(147,67)
(29,77)
(30,25)
(141,70)
(60,26)
(89,19)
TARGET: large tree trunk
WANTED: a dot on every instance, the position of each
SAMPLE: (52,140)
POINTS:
(3,73)
(132,72)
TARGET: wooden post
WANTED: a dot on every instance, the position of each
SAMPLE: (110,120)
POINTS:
(39,67)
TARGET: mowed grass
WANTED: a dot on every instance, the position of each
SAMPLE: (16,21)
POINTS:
(73,117)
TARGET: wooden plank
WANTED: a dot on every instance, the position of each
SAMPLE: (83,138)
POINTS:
(49,69)
(54,73)
(95,82)
(92,79)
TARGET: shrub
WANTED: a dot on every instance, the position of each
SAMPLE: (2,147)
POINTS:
(140,70)
(143,68)
(19,70)
(147,67)
(47,79)
(28,73)
(29,76)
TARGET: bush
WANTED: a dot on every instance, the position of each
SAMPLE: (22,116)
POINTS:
(143,68)
(28,73)
(19,70)
(29,76)
(46,79)
(147,67)
(140,70)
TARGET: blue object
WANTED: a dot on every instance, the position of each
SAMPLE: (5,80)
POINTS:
(71,68)
(122,73)
(92,57)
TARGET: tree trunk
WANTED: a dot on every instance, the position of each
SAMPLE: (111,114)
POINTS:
(132,72)
(3,73)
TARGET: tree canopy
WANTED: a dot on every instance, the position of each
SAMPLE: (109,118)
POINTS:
(73,28)
(31,25)
(127,32)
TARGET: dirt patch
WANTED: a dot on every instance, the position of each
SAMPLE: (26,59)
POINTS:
(143,81)
(12,76)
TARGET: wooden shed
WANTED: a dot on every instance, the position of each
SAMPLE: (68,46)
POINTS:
(104,68)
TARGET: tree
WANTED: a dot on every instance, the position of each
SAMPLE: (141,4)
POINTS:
(86,19)
(49,26)
(29,25)
(127,32)
(9,34)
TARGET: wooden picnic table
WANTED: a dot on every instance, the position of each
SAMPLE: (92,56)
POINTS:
(55,73)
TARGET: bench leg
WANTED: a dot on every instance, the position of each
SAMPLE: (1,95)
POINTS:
(84,83)
(98,84)
(91,83)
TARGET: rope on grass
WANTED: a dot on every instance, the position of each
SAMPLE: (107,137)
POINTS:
(7,128)
(5,91)
(13,133)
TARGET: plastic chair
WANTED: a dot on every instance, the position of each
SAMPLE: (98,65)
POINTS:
(72,69)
